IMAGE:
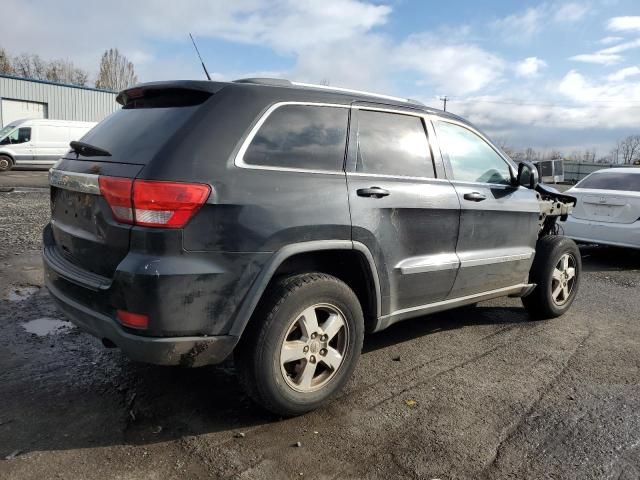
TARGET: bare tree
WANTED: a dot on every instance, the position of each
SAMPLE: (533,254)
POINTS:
(63,71)
(531,155)
(116,71)
(5,63)
(22,66)
(629,149)
(33,66)
(614,155)
(589,156)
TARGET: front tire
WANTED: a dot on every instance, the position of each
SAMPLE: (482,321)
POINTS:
(6,163)
(556,271)
(302,345)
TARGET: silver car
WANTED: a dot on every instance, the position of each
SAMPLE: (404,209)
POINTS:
(608,208)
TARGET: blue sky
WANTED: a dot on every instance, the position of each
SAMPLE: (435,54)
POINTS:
(558,74)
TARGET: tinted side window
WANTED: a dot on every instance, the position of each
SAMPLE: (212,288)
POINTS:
(301,136)
(393,144)
(612,181)
(471,158)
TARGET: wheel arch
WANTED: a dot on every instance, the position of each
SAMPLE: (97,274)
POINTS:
(334,257)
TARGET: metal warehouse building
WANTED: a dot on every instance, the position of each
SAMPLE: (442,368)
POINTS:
(24,98)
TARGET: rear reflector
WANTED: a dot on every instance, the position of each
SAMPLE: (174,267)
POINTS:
(151,203)
(133,320)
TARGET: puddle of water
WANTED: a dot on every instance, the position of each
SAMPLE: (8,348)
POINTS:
(46,326)
(18,294)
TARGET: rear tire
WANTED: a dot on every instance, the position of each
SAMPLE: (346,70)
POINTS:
(556,271)
(6,163)
(302,344)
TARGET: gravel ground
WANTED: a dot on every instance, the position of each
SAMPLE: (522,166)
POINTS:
(23,215)
(24,179)
(474,393)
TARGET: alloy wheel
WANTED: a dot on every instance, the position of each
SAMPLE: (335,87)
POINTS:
(563,279)
(314,347)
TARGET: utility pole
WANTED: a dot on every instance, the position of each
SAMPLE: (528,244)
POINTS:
(444,101)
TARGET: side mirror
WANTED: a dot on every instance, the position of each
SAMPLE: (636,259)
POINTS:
(527,175)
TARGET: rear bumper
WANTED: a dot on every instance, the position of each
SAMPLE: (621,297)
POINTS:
(185,351)
(191,299)
(617,234)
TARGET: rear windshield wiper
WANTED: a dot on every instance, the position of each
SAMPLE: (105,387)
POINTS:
(87,150)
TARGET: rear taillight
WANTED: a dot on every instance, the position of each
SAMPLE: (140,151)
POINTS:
(167,204)
(152,203)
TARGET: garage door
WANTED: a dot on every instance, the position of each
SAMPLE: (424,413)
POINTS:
(18,109)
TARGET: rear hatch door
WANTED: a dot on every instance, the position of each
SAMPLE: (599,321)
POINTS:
(84,229)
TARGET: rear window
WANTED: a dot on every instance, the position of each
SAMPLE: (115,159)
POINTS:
(629,182)
(148,119)
(136,135)
(301,136)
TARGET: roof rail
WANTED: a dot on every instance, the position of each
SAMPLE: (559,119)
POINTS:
(281,82)
(359,92)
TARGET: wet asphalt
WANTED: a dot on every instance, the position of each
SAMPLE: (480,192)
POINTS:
(473,393)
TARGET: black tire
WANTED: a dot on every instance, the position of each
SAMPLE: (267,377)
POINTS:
(258,356)
(549,251)
(6,163)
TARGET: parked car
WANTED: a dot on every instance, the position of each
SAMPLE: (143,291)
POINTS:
(280,221)
(608,208)
(37,142)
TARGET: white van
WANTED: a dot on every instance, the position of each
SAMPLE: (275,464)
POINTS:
(38,142)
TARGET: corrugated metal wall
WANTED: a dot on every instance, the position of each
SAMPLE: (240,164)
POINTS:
(63,102)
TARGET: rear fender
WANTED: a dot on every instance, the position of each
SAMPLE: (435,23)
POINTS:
(262,281)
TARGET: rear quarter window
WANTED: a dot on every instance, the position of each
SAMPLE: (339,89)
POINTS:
(629,182)
(309,137)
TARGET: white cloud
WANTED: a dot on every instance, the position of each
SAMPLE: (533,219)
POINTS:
(610,40)
(520,27)
(623,74)
(621,24)
(523,26)
(622,47)
(571,12)
(599,58)
(577,112)
(609,55)
(530,67)
(457,69)
(286,26)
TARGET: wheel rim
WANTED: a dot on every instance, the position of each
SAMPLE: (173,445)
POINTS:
(314,347)
(563,279)
(4,163)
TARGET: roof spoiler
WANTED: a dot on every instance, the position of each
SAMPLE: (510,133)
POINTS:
(142,90)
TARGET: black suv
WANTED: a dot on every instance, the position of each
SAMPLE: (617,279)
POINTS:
(281,221)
